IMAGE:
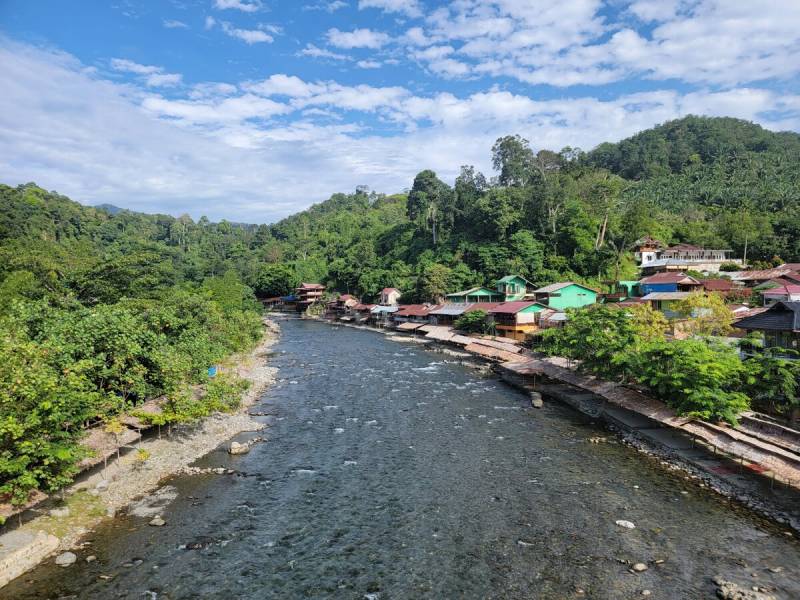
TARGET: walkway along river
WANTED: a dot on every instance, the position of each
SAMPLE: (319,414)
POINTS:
(389,472)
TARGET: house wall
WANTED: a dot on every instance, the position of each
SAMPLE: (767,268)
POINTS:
(572,296)
(647,288)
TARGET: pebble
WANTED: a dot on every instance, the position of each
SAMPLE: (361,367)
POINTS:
(625,524)
(775,569)
(91,558)
(158,522)
(66,559)
(646,592)
(640,567)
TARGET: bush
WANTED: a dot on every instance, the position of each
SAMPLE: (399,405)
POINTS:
(473,322)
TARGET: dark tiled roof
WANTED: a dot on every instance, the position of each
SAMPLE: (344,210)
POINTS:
(782,316)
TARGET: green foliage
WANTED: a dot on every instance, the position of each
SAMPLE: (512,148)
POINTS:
(706,314)
(275,280)
(695,377)
(472,322)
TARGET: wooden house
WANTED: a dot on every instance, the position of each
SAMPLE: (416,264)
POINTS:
(476,294)
(561,296)
(308,294)
(668,282)
(779,324)
(783,293)
(514,287)
(516,319)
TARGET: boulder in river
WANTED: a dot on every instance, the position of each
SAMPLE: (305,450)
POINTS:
(158,521)
(237,448)
(625,524)
(640,567)
(66,559)
(728,590)
(536,400)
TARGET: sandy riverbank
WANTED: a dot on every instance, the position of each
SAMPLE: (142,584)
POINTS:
(101,494)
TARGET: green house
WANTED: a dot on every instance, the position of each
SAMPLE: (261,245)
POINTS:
(476,294)
(561,296)
(514,287)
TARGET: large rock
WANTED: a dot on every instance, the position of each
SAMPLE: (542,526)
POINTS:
(237,448)
(66,559)
(625,524)
(20,551)
(728,590)
(158,521)
(536,400)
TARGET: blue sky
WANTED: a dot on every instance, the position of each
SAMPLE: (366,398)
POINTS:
(253,109)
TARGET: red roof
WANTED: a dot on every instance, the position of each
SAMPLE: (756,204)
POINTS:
(485,306)
(415,310)
(311,286)
(786,289)
(389,290)
(685,247)
(670,278)
(363,307)
(345,297)
(717,285)
(512,308)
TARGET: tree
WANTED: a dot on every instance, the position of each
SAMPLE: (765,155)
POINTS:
(474,321)
(433,282)
(275,280)
(513,158)
(430,203)
(706,313)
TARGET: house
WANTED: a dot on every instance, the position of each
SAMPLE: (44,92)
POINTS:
(758,277)
(668,282)
(390,296)
(516,319)
(680,257)
(342,306)
(550,318)
(647,249)
(308,294)
(381,316)
(666,302)
(514,287)
(476,294)
(413,313)
(620,290)
(780,325)
(362,312)
(449,313)
(784,293)
(566,295)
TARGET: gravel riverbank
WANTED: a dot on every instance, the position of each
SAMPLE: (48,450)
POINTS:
(102,493)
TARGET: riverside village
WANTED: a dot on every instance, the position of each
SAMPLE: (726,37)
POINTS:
(400,300)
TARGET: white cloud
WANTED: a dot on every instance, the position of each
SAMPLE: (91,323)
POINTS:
(327,6)
(245,151)
(368,64)
(153,76)
(210,22)
(174,24)
(315,52)
(243,5)
(410,8)
(249,36)
(358,38)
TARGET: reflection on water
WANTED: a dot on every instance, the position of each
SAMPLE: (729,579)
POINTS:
(392,473)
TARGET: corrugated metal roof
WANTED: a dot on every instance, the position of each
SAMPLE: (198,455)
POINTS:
(665,296)
(415,310)
(554,287)
(670,278)
(409,326)
(452,310)
(781,316)
(383,309)
(512,308)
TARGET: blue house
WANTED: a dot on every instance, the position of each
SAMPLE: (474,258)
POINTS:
(668,282)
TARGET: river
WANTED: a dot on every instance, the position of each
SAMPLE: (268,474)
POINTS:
(390,471)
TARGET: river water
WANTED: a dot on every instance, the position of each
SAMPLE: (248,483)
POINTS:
(389,472)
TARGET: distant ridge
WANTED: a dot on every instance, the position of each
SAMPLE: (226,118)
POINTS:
(110,208)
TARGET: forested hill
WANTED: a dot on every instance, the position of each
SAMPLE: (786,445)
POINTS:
(548,215)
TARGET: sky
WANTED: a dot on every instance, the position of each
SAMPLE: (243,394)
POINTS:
(251,110)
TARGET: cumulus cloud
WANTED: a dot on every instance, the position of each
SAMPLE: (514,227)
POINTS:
(245,151)
(243,5)
(329,7)
(410,8)
(368,64)
(174,24)
(249,36)
(316,52)
(153,76)
(358,38)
